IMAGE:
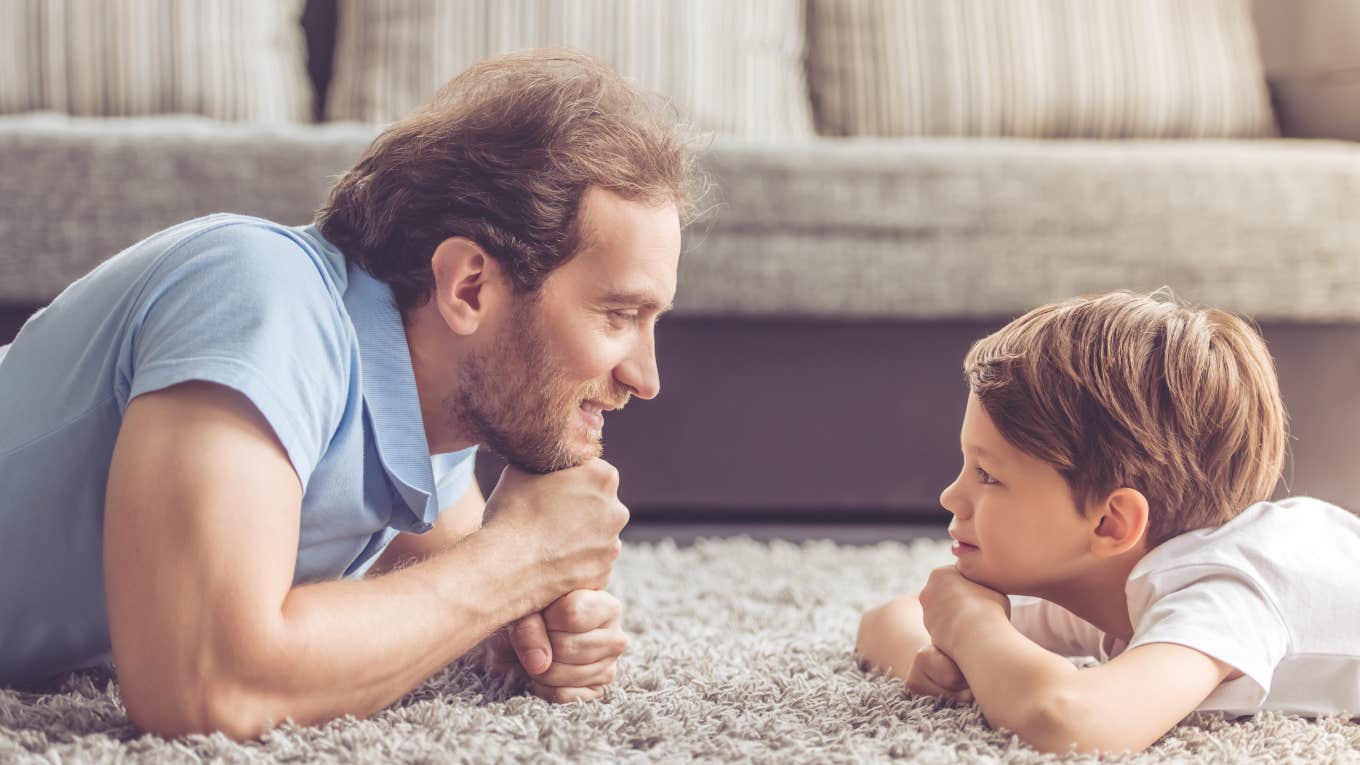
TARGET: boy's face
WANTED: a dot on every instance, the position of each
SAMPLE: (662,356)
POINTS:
(1016,527)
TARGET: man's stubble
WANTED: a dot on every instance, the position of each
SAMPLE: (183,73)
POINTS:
(514,400)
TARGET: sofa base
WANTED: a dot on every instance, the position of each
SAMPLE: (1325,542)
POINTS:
(814,421)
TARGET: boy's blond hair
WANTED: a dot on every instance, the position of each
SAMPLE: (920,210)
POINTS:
(1139,391)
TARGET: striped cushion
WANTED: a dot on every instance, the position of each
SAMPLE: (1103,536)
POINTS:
(229,59)
(734,68)
(1037,68)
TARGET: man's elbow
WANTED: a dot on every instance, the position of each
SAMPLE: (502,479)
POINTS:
(197,706)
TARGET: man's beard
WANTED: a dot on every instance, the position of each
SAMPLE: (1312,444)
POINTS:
(515,402)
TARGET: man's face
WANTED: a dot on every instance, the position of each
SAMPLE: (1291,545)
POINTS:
(1016,526)
(579,347)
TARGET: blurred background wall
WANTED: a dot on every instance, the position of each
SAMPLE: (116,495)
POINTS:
(894,178)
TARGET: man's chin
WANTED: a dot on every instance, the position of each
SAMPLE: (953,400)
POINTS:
(565,458)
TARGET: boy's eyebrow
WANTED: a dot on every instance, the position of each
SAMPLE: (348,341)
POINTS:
(979,451)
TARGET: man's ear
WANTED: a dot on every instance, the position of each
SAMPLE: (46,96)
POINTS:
(464,282)
(1121,523)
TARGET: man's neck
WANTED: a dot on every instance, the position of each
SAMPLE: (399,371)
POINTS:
(435,364)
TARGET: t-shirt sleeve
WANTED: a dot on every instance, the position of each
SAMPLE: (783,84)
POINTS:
(1217,611)
(248,308)
(1054,628)
(453,474)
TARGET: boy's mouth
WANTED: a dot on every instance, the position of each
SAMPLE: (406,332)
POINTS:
(960,547)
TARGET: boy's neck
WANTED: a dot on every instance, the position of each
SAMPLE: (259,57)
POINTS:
(1098,596)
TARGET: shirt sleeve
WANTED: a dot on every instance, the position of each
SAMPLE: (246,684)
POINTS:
(1219,612)
(1054,628)
(453,475)
(248,308)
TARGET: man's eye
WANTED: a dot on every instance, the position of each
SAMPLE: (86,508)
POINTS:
(623,317)
(985,477)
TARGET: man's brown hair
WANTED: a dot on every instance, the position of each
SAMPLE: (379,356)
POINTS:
(1139,391)
(503,156)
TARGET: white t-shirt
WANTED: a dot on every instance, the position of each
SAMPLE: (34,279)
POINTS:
(1275,593)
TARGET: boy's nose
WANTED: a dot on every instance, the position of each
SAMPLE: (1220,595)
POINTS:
(950,500)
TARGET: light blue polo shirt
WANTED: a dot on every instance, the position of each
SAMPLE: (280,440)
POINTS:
(271,311)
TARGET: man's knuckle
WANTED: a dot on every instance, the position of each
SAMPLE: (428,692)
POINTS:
(563,644)
(575,614)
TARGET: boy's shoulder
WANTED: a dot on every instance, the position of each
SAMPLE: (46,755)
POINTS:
(1277,555)
(1266,535)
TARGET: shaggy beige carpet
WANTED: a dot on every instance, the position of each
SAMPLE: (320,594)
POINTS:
(741,653)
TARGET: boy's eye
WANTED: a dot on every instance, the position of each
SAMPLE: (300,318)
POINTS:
(985,477)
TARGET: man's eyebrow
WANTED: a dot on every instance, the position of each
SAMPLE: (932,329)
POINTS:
(639,299)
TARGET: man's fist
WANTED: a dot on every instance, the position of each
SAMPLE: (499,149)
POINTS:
(571,650)
(569,521)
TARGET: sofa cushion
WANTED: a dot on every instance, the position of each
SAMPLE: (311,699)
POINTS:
(78,190)
(1037,68)
(918,229)
(229,59)
(952,228)
(735,68)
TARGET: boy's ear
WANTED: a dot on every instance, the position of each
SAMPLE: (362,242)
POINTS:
(1121,523)
(464,283)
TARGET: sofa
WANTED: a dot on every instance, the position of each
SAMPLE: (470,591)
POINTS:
(811,370)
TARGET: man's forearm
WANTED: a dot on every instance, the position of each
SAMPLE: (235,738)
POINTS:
(353,647)
(1013,680)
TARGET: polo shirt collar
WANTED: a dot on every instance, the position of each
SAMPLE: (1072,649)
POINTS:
(389,389)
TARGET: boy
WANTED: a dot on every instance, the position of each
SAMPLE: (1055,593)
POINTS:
(1110,446)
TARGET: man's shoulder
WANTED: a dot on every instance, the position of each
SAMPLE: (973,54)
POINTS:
(247,249)
(225,262)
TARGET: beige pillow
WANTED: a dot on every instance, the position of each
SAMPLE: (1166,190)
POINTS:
(1312,59)
(732,67)
(1037,68)
(229,59)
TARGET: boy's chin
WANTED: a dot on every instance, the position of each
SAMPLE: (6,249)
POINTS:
(978,575)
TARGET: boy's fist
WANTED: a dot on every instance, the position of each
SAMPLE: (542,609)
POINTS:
(934,674)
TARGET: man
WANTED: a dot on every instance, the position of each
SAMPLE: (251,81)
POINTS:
(223,451)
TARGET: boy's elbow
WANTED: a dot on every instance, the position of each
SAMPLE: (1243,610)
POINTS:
(1048,724)
(1059,721)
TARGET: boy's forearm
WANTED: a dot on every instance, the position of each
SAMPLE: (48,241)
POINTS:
(891,635)
(1017,684)
(898,658)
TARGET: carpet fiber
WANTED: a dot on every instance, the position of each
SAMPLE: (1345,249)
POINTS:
(741,652)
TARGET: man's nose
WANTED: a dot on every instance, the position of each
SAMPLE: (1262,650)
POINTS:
(639,371)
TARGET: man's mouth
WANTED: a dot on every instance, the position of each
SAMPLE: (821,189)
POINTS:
(593,414)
